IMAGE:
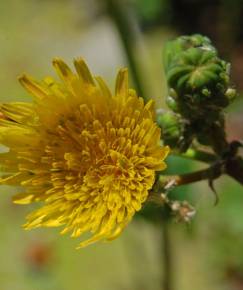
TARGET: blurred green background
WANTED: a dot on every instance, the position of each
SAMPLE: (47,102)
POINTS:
(207,254)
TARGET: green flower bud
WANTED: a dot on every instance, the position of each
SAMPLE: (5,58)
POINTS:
(230,93)
(172,103)
(171,126)
(174,48)
(198,76)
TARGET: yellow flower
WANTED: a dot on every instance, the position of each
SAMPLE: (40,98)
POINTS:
(89,156)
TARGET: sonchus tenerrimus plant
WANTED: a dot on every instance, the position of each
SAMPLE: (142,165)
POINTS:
(94,157)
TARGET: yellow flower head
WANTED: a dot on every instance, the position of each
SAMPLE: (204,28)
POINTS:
(88,155)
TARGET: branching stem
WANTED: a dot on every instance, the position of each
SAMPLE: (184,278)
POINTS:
(209,173)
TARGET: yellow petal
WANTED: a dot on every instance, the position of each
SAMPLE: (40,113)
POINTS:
(105,90)
(33,87)
(63,70)
(19,112)
(116,233)
(122,82)
(83,71)
(14,179)
(23,198)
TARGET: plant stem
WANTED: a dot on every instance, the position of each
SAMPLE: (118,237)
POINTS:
(167,279)
(199,155)
(177,180)
(234,167)
(123,20)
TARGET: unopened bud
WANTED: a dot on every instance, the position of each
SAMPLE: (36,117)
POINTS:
(230,93)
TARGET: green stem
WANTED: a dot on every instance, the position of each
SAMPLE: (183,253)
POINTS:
(167,280)
(210,173)
(123,20)
(199,155)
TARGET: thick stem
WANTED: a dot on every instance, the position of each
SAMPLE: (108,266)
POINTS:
(217,137)
(234,168)
(123,20)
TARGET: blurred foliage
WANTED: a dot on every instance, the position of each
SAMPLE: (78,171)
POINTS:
(153,11)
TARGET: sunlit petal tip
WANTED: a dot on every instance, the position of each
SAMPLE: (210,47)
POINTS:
(62,68)
(22,198)
(26,227)
(167,151)
(33,87)
(164,152)
(104,88)
(150,105)
(83,71)
(90,241)
(57,61)
(122,82)
(25,80)
(116,234)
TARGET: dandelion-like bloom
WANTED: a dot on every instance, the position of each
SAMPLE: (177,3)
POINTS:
(89,156)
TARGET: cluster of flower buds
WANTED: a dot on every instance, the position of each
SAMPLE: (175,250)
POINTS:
(198,85)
